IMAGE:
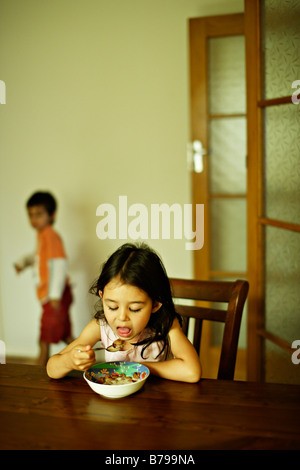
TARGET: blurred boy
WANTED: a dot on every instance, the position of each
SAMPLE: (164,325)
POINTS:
(53,290)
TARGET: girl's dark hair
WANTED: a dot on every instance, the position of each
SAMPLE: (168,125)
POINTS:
(43,199)
(140,266)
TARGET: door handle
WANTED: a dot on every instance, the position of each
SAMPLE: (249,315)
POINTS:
(195,156)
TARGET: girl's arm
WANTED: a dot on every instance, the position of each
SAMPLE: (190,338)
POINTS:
(77,355)
(185,366)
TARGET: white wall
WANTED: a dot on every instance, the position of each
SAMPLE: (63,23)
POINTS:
(97,106)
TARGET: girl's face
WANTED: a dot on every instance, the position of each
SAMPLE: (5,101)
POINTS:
(127,309)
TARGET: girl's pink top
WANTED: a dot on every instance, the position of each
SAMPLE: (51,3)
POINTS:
(133,354)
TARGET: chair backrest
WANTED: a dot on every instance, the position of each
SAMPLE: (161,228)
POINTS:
(233,294)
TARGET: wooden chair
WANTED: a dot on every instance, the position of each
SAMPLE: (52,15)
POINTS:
(233,294)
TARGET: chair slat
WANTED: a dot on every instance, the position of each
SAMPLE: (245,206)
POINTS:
(217,291)
(201,312)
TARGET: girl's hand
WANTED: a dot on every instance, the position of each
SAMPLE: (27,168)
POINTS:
(77,355)
(82,357)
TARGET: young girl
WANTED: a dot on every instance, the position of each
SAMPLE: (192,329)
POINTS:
(136,307)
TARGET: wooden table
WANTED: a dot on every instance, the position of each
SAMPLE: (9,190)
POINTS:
(40,413)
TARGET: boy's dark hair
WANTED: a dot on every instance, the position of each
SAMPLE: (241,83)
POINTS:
(45,199)
(140,266)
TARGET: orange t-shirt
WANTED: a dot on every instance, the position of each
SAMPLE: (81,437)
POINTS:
(50,247)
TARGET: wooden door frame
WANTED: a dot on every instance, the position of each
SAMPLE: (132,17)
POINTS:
(200,30)
(255,183)
(257,220)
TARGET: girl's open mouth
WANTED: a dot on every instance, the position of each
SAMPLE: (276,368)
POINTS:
(123,332)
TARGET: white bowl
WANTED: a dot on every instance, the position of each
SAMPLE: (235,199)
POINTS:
(116,368)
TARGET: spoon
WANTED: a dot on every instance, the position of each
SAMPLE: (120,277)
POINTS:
(116,346)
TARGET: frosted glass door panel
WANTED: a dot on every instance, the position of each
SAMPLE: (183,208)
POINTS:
(227,153)
(227,156)
(283,283)
(281,46)
(227,75)
(228,234)
(282,164)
